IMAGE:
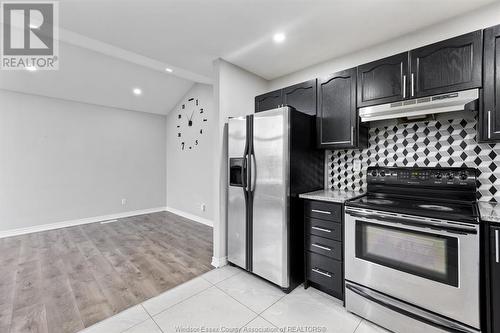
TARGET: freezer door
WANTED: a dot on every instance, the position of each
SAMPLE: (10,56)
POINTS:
(270,186)
(236,214)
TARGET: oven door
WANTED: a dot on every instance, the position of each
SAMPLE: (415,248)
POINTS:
(427,263)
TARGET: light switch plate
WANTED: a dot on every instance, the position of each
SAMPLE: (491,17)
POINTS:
(357,166)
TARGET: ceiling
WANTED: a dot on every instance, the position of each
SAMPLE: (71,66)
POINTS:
(192,33)
(109,47)
(90,77)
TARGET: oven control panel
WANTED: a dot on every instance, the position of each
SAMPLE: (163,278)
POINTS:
(422,176)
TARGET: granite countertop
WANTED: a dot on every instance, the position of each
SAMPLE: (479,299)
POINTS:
(489,211)
(339,196)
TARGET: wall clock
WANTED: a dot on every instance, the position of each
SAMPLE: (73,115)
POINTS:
(191,124)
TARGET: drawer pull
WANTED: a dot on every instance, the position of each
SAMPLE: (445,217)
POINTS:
(321,211)
(315,270)
(321,247)
(321,229)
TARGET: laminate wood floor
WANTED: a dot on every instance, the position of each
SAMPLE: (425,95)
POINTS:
(67,279)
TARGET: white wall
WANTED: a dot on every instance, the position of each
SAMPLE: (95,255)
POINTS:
(479,19)
(190,172)
(62,160)
(235,90)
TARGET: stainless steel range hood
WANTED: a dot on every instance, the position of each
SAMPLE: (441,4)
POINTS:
(418,107)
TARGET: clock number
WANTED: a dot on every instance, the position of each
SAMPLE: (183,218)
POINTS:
(205,119)
(183,107)
(178,135)
(182,144)
(196,102)
(201,131)
(201,110)
(179,116)
(196,142)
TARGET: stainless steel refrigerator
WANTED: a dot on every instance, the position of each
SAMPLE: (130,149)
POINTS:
(272,158)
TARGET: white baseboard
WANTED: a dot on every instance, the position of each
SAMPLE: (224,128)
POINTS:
(219,262)
(71,223)
(190,216)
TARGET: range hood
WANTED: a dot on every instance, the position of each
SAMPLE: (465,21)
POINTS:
(418,107)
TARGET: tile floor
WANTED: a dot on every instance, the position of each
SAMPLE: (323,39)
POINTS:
(228,299)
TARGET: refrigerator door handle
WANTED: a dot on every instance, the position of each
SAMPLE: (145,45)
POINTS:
(253,172)
(247,174)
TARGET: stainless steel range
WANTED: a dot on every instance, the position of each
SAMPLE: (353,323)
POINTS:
(412,250)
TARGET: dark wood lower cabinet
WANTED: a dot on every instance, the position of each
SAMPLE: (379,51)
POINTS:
(492,278)
(325,274)
(324,254)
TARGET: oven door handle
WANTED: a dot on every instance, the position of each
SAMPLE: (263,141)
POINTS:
(408,310)
(414,223)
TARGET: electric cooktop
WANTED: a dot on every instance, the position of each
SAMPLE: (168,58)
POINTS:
(446,210)
(440,193)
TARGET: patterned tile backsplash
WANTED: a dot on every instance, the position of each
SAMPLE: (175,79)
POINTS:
(441,142)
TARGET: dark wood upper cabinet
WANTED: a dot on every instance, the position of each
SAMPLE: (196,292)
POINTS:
(269,101)
(489,117)
(383,81)
(451,65)
(455,64)
(337,119)
(302,97)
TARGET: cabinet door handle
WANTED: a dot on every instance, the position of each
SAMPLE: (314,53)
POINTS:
(315,270)
(404,86)
(412,85)
(321,211)
(352,135)
(489,124)
(321,229)
(497,255)
(321,247)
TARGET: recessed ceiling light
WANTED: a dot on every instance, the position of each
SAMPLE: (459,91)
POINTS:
(279,37)
(30,68)
(170,70)
(137,91)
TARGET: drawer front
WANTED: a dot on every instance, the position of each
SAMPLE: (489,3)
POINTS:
(325,229)
(324,210)
(325,272)
(324,246)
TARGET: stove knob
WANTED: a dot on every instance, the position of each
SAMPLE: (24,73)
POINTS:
(464,176)
(438,175)
(374,173)
(450,175)
(382,173)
